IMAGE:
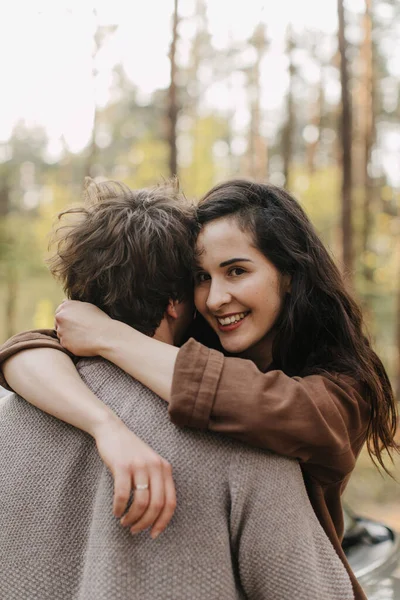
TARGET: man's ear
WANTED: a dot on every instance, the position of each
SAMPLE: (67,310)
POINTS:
(171,309)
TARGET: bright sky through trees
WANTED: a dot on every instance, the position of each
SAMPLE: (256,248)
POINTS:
(47,45)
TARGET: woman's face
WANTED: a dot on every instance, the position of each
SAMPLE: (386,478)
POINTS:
(238,290)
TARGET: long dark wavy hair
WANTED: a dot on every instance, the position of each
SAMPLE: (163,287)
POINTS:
(320,328)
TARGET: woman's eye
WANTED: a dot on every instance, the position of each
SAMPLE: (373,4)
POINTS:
(201,277)
(236,271)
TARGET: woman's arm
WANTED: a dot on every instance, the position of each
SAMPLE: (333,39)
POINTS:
(28,373)
(48,379)
(34,338)
(319,420)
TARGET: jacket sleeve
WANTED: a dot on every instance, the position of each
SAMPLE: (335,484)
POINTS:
(35,338)
(318,420)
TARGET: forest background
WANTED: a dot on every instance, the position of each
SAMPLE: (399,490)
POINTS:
(303,94)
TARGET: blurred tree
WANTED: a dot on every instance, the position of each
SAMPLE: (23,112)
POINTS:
(201,54)
(172,96)
(194,135)
(102,34)
(346,150)
(313,129)
(131,141)
(20,193)
(4,192)
(205,142)
(368,131)
(257,146)
(289,126)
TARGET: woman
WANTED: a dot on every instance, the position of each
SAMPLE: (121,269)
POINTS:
(306,385)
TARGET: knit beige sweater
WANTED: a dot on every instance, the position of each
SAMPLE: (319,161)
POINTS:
(243,528)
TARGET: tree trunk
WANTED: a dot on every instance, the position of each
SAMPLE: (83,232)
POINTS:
(368,126)
(346,134)
(258,147)
(200,53)
(101,34)
(172,98)
(288,130)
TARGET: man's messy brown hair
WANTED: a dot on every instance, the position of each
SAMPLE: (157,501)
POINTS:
(127,251)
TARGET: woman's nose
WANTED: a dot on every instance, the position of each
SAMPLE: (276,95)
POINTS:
(218,296)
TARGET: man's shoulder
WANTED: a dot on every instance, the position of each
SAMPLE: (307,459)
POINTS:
(126,396)
(99,373)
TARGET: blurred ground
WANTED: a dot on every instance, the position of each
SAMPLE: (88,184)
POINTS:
(373,495)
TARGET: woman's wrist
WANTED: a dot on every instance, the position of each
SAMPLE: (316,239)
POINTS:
(102,423)
(137,354)
(113,336)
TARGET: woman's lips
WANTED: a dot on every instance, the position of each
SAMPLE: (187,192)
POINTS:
(231,326)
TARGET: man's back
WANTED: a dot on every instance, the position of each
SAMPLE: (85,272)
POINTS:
(243,526)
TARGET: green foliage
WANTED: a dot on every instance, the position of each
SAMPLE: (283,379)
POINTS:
(319,195)
(201,168)
(147,162)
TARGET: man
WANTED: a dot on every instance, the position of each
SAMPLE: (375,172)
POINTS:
(243,526)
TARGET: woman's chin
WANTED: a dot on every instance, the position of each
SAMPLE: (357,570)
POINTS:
(233,346)
(258,351)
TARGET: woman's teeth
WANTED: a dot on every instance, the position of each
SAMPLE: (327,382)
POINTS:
(232,319)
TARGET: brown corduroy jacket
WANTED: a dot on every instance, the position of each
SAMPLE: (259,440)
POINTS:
(320,421)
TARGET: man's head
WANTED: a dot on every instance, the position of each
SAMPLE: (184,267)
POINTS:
(129,252)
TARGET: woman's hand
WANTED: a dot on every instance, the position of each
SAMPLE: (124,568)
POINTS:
(133,463)
(81,327)
(85,330)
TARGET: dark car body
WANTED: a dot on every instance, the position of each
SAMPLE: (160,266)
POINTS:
(373,551)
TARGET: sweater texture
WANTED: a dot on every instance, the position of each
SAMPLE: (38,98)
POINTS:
(243,527)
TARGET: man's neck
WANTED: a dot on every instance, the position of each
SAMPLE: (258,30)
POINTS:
(164,334)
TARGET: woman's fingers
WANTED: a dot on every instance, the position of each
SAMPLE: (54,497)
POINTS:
(122,491)
(157,498)
(152,506)
(141,497)
(169,503)
(137,471)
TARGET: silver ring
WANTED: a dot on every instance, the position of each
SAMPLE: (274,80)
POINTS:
(141,486)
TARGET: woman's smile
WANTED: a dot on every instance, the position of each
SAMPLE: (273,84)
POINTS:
(232,321)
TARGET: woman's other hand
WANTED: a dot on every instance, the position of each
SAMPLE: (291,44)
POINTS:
(136,468)
(81,327)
